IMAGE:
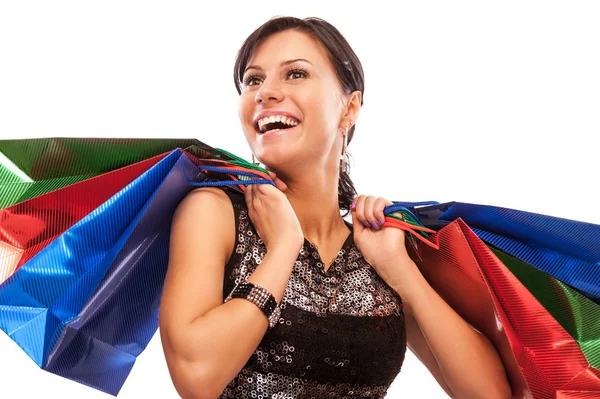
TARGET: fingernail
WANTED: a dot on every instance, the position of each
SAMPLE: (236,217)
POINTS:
(353,204)
(380,221)
(367,224)
(375,225)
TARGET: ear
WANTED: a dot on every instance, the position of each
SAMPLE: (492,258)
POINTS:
(352,109)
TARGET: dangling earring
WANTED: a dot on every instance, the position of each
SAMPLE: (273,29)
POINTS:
(344,164)
(254,161)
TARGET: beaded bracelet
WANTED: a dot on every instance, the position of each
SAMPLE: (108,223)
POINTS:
(260,297)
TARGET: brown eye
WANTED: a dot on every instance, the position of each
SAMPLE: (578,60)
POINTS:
(249,79)
(296,73)
(302,73)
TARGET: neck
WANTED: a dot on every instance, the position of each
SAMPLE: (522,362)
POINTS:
(313,195)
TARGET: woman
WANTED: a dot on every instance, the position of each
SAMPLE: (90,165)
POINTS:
(350,299)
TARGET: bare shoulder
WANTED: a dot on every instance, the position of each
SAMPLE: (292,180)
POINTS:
(206,212)
(200,197)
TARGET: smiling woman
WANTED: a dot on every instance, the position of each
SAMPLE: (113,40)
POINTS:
(285,298)
(310,62)
(493,104)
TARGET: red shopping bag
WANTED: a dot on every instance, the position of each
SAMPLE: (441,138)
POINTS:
(541,359)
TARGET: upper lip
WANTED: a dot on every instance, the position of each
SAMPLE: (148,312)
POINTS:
(269,112)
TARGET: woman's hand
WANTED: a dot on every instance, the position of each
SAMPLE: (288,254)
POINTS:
(280,184)
(272,214)
(383,248)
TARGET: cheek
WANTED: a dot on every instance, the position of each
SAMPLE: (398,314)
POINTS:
(316,112)
(325,109)
(245,110)
(323,120)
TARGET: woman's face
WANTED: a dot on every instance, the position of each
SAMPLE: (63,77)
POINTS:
(307,90)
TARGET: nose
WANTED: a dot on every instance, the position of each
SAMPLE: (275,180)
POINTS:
(268,91)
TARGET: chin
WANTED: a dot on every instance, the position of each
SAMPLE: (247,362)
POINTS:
(276,158)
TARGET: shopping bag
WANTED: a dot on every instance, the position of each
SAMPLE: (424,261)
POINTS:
(541,359)
(86,304)
(82,289)
(28,226)
(33,167)
(566,249)
(578,315)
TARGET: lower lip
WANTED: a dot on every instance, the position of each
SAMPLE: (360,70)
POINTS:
(276,133)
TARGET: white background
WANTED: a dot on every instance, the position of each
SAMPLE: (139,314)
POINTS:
(491,103)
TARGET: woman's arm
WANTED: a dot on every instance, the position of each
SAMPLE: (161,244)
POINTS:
(207,342)
(464,362)
(416,342)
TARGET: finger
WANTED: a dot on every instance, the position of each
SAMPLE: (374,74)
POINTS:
(281,184)
(369,216)
(278,182)
(360,211)
(247,193)
(260,188)
(248,197)
(378,208)
(357,225)
(260,191)
(256,197)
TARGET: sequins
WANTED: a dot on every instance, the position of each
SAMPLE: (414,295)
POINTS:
(284,387)
(340,334)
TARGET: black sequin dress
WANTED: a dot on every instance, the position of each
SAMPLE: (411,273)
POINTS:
(341,332)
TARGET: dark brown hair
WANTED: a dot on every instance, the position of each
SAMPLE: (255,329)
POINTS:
(345,62)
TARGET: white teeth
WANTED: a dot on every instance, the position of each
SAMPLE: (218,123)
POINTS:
(276,118)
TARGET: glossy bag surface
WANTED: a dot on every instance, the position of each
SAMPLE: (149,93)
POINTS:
(87,304)
(542,360)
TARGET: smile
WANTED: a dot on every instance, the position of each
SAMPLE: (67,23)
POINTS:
(277,132)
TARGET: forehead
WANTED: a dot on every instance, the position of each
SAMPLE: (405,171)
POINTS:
(288,45)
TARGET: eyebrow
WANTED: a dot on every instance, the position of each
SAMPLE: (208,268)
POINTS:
(284,63)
